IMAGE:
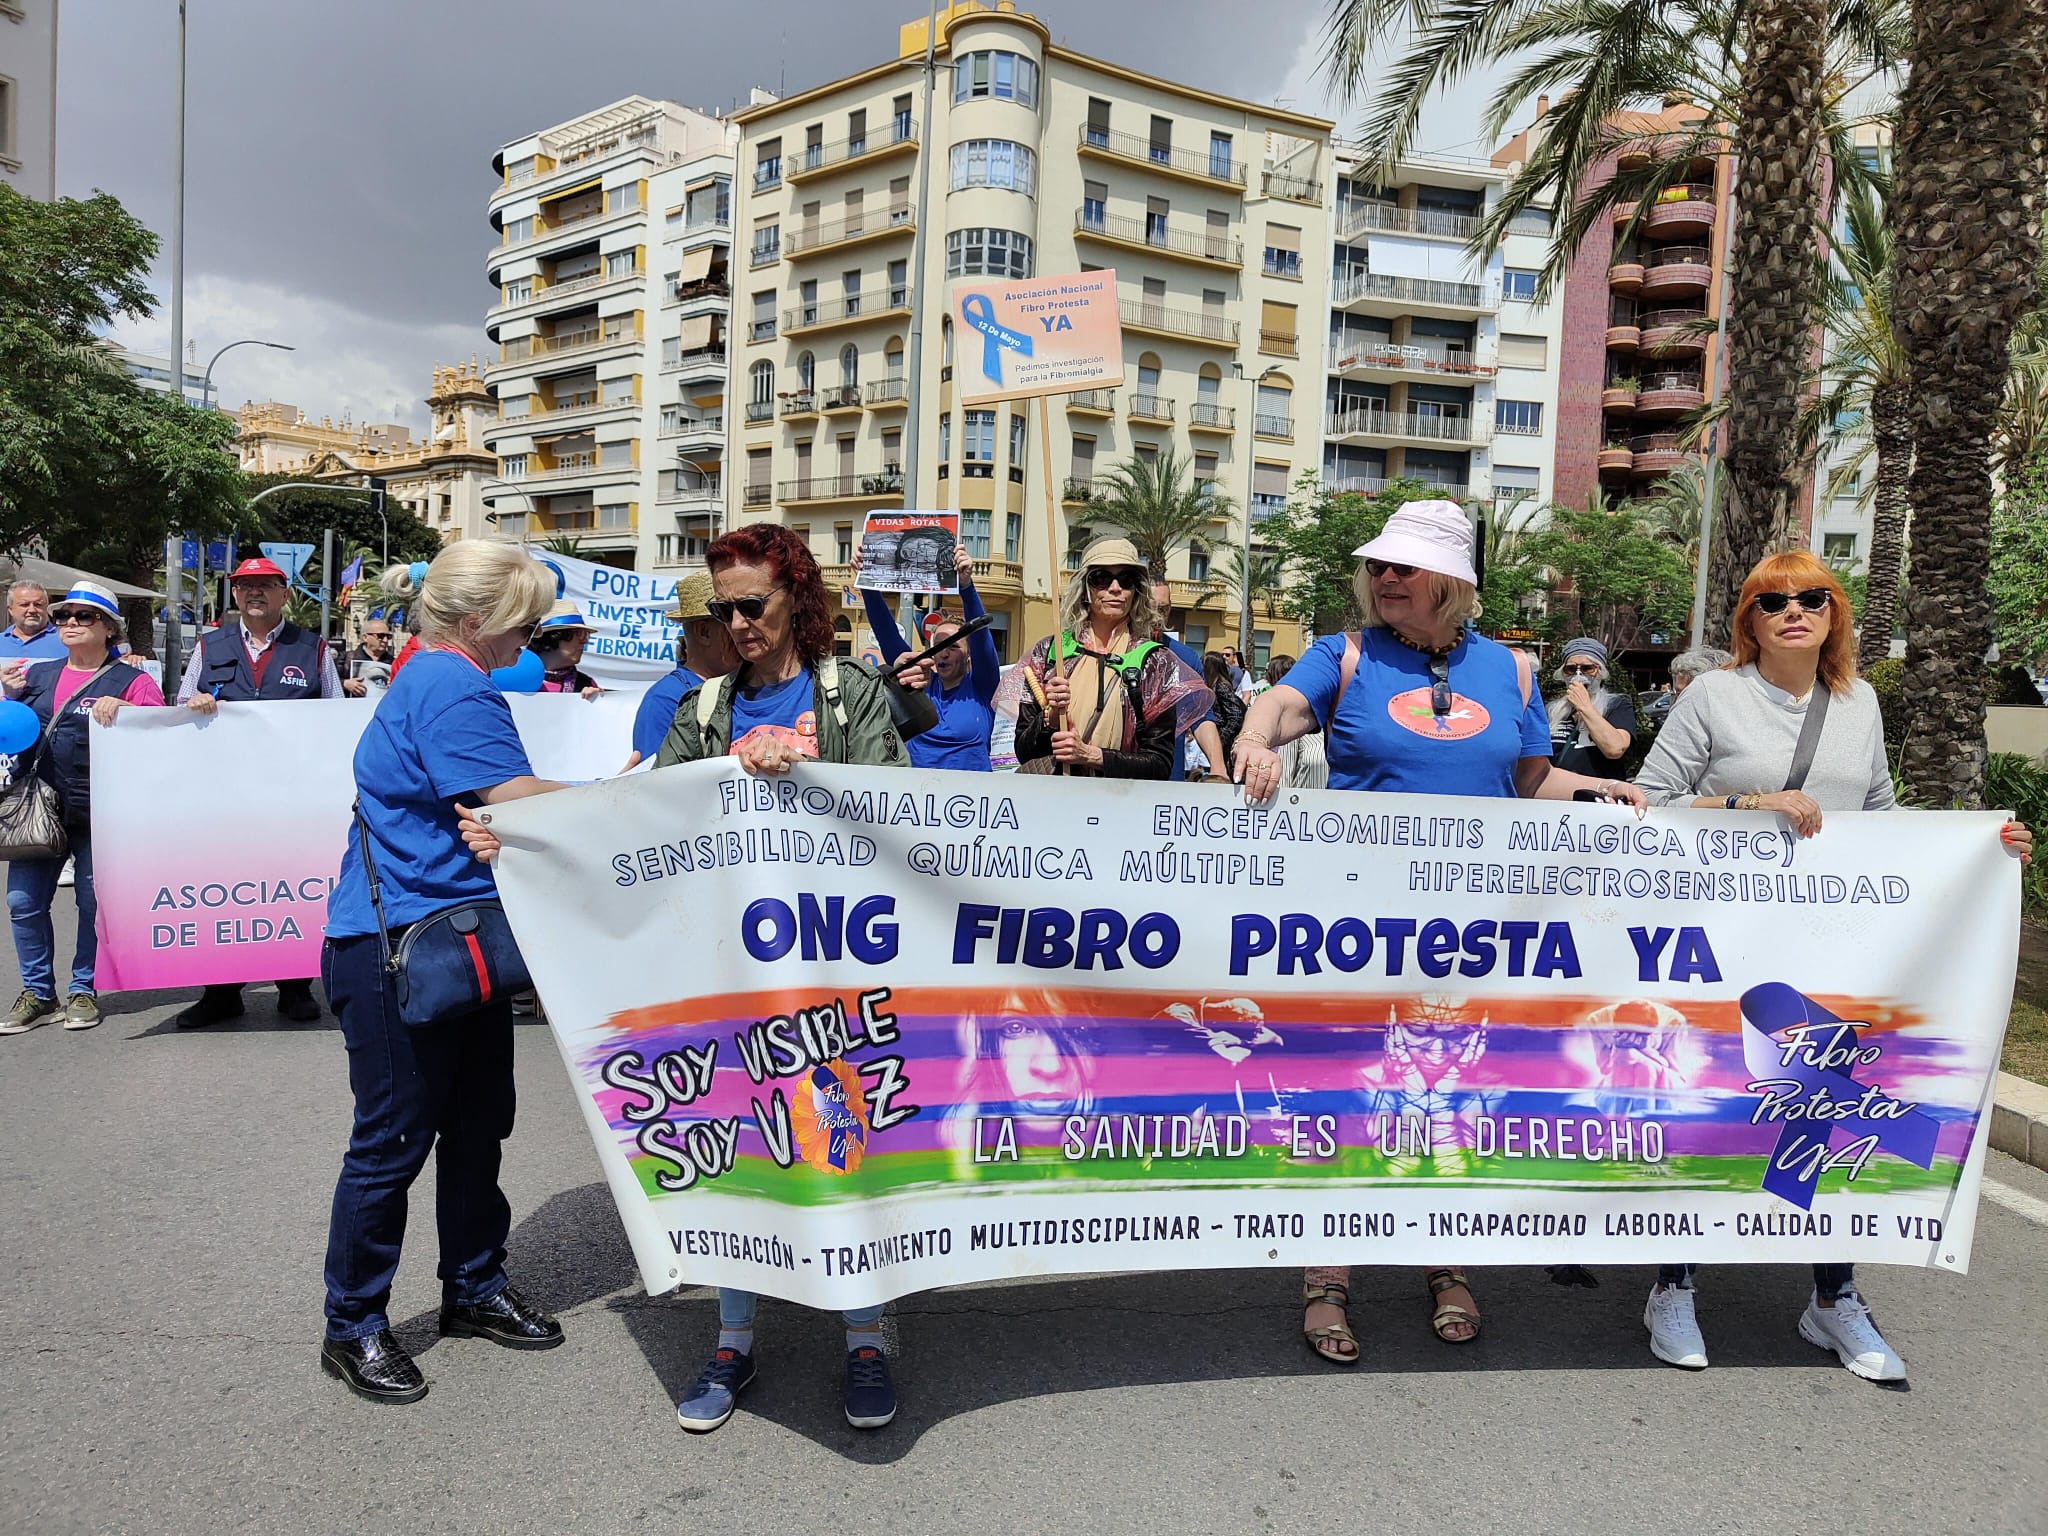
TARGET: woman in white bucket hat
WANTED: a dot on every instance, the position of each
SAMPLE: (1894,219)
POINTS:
(1415,702)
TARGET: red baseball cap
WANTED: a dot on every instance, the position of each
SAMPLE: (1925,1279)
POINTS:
(258,569)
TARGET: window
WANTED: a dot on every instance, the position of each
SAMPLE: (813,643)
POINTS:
(993,163)
(993,72)
(1521,418)
(1850,488)
(1013,537)
(517,230)
(849,365)
(761,383)
(680,548)
(621,263)
(1098,121)
(1838,547)
(1198,561)
(1518,283)
(1094,203)
(514,406)
(814,146)
(899,118)
(1160,145)
(1530,221)
(974,532)
(1277,329)
(671,351)
(978,437)
(899,292)
(1524,351)
(1514,483)
(520,291)
(807,301)
(945,439)
(806,371)
(1219,157)
(994,252)
(1155,220)
(1016,445)
(767,244)
(1275,415)
(763,327)
(1283,251)
(512,465)
(617,514)
(768,164)
(619,199)
(612,455)
(1269,490)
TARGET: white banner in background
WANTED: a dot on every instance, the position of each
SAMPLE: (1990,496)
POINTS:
(632,643)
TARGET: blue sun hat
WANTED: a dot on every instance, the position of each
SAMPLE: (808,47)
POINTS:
(90,594)
(565,615)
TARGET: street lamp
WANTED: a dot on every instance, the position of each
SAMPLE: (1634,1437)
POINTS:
(1244,616)
(532,506)
(206,379)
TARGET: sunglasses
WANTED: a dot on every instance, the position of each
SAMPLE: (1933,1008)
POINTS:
(749,608)
(75,616)
(1378,568)
(1813,599)
(1121,576)
(1440,685)
(1588,670)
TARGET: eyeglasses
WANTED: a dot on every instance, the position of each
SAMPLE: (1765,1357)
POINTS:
(1588,670)
(1440,685)
(749,608)
(1378,568)
(74,616)
(1123,576)
(1813,599)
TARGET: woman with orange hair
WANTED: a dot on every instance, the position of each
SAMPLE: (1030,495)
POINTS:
(1787,726)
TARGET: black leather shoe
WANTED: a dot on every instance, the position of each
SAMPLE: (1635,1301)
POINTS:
(508,1318)
(215,1004)
(375,1367)
(295,1002)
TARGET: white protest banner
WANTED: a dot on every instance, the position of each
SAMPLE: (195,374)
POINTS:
(858,1032)
(632,642)
(234,887)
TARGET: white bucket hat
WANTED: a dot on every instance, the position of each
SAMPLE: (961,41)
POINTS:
(1434,535)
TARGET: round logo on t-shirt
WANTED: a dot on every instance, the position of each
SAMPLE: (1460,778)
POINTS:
(807,724)
(1412,711)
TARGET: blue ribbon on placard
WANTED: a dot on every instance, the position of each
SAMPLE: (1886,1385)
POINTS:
(996,338)
(1803,1084)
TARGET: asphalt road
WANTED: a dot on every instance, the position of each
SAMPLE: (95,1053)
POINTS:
(163,1209)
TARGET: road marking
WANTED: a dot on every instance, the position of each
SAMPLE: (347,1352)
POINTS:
(2019,1202)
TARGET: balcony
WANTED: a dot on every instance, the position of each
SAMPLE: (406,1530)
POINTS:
(1092,402)
(713,291)
(578,467)
(809,239)
(1278,427)
(1203,416)
(700,362)
(757,496)
(1151,408)
(898,136)
(1279,344)
(1674,332)
(1364,216)
(543,297)
(1678,270)
(1404,426)
(801,405)
(1178,324)
(1619,398)
(581,409)
(886,486)
(551,237)
(707,497)
(1616,458)
(759,411)
(1206,170)
(888,394)
(1625,274)
(542,352)
(1160,237)
(703,431)
(1297,189)
(1670,394)
(1682,210)
(839,399)
(999,578)
(853,309)
(1655,455)
(1624,336)
(1406,359)
(716,226)
(1078,491)
(1378,293)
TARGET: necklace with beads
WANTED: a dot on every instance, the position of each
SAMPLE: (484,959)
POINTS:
(1427,650)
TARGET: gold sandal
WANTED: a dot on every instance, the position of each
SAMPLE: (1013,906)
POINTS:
(1449,1314)
(1334,1342)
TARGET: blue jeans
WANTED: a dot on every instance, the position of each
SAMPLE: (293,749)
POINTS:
(736,1310)
(448,1083)
(1829,1280)
(31,888)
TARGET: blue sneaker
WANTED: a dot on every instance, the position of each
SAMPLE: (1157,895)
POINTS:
(870,1393)
(710,1402)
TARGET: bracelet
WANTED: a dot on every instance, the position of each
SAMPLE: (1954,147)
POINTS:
(1734,802)
(1750,802)
(1257,738)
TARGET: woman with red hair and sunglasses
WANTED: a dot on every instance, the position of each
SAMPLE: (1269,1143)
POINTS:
(1729,744)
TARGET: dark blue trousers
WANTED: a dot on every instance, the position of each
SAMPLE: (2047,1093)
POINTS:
(449,1084)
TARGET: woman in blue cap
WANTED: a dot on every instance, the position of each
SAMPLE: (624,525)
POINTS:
(558,640)
(90,683)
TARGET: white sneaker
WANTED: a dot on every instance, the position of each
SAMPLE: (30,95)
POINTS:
(1674,1333)
(1851,1332)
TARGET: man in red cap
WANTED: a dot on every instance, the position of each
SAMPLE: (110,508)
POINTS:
(260,657)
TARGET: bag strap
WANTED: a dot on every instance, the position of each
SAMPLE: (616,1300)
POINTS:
(1809,736)
(828,678)
(1347,668)
(1525,673)
(708,697)
(376,891)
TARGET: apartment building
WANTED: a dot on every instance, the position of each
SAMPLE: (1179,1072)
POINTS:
(28,97)
(1036,161)
(615,234)
(1441,367)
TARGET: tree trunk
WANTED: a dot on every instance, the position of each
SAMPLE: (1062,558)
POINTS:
(1967,213)
(1778,217)
(1891,434)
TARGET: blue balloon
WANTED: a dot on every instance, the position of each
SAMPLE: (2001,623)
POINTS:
(20,729)
(524,675)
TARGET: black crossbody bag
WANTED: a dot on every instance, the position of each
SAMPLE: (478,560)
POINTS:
(451,963)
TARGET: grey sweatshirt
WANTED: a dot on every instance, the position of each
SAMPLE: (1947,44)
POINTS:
(1732,733)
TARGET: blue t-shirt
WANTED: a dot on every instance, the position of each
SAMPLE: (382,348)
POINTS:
(1388,737)
(787,709)
(657,711)
(44,647)
(966,715)
(442,732)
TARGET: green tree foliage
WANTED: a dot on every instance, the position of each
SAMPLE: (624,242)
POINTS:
(1610,577)
(93,467)
(1314,536)
(2019,565)
(302,517)
(1158,504)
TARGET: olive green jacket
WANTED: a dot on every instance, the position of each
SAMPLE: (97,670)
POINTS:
(859,730)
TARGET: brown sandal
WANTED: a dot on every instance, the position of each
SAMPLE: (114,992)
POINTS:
(1333,1342)
(1449,1314)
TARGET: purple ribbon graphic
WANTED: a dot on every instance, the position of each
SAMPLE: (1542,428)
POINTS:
(1804,1084)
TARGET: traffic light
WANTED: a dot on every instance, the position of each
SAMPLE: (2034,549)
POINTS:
(376,496)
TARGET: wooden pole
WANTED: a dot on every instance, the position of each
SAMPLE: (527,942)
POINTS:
(1052,540)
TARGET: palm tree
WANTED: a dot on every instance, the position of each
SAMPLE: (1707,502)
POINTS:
(1766,77)
(1864,378)
(1674,510)
(1268,579)
(1970,173)
(1158,504)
